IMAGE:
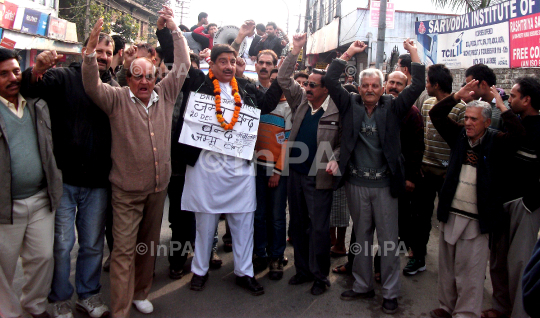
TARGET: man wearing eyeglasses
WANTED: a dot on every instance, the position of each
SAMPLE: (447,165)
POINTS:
(141,118)
(314,147)
(373,167)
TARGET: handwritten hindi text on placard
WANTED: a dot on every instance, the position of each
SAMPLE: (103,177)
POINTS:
(201,128)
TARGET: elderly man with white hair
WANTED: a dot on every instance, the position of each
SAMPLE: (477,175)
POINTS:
(470,201)
(373,168)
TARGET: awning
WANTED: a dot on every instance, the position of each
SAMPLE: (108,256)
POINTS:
(325,39)
(25,41)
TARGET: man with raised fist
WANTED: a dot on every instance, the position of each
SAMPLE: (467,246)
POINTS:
(373,167)
(82,146)
(140,119)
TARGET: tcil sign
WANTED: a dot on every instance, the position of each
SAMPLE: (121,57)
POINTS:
(501,36)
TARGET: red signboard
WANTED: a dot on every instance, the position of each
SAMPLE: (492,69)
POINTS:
(57,28)
(9,14)
(525,41)
(7,43)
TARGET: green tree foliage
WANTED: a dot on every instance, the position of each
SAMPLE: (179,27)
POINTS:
(153,5)
(469,5)
(114,20)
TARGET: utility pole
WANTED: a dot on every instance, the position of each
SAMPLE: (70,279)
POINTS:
(87,20)
(299,20)
(306,29)
(180,7)
(381,35)
(287,6)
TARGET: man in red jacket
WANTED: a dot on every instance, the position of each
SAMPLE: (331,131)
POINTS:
(212,29)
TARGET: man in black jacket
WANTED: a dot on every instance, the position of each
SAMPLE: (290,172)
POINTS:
(235,175)
(270,41)
(512,243)
(373,167)
(82,147)
(470,201)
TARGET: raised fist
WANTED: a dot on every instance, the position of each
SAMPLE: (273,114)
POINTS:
(409,45)
(357,47)
(129,56)
(247,28)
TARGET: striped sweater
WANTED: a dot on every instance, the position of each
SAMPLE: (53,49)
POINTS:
(274,130)
(437,152)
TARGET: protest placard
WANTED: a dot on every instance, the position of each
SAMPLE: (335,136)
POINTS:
(201,128)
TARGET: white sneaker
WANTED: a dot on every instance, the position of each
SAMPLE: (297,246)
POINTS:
(62,309)
(144,306)
(94,306)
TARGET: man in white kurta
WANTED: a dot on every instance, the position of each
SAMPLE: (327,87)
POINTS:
(220,184)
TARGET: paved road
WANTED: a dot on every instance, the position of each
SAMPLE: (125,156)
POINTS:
(222,298)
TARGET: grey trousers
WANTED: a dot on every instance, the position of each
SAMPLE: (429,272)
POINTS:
(510,252)
(375,208)
(31,236)
(309,211)
(462,268)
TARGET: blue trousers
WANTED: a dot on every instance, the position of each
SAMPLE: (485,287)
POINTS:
(83,208)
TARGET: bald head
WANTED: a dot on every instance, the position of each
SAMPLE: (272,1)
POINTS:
(397,81)
(141,78)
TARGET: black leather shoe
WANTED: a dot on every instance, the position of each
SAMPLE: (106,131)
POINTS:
(176,274)
(197,282)
(276,269)
(298,279)
(227,245)
(352,295)
(259,263)
(390,306)
(251,284)
(318,287)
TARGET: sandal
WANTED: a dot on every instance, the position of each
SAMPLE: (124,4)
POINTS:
(493,313)
(341,269)
(227,246)
(378,277)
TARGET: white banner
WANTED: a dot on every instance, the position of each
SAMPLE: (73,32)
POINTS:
(202,130)
(375,10)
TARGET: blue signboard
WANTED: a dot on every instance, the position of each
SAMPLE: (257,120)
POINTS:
(34,22)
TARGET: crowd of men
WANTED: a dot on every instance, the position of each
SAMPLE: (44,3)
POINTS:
(93,147)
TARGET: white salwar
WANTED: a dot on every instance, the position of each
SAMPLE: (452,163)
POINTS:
(221,184)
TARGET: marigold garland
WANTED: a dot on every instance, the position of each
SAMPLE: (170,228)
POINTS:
(237,102)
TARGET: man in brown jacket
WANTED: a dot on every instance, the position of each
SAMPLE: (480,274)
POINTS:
(140,117)
(30,192)
(314,140)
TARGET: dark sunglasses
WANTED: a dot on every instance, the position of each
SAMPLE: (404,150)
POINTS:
(310,84)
